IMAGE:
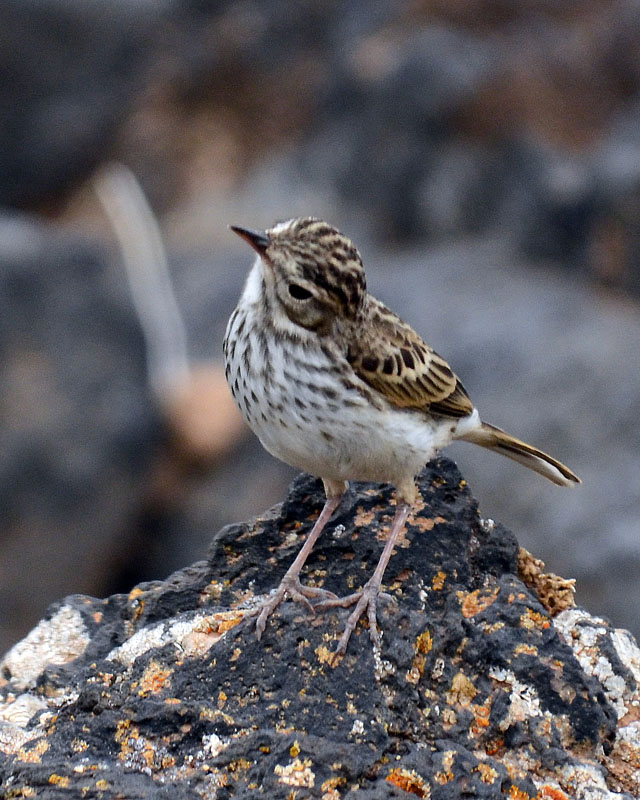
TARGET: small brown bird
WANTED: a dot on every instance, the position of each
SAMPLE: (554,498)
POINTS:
(335,384)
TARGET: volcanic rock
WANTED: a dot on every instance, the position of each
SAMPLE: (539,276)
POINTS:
(477,690)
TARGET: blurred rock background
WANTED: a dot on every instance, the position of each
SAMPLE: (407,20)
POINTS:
(485,157)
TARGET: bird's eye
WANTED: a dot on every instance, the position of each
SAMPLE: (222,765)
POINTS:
(299,292)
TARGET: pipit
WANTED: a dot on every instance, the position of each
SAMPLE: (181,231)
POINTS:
(334,383)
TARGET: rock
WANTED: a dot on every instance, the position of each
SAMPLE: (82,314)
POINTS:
(70,73)
(430,122)
(79,427)
(477,691)
(389,124)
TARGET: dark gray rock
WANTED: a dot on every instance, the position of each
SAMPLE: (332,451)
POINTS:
(476,689)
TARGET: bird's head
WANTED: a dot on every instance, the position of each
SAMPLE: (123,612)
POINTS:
(312,273)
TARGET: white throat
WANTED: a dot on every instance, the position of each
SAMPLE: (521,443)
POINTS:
(253,286)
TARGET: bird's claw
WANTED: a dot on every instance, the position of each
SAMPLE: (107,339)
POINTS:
(364,600)
(296,591)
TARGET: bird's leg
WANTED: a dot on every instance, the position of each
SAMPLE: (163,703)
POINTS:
(366,598)
(290,584)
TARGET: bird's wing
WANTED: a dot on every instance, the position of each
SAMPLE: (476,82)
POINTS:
(392,359)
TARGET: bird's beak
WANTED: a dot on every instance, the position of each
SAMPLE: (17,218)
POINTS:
(257,239)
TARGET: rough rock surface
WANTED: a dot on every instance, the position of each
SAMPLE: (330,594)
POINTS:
(476,692)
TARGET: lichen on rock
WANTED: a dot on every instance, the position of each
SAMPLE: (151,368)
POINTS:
(477,691)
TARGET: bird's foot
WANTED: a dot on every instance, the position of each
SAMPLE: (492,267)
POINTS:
(291,587)
(365,600)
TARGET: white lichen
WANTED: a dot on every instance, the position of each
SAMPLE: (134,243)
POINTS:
(53,641)
(524,703)
(586,782)
(19,710)
(192,634)
(213,745)
(583,633)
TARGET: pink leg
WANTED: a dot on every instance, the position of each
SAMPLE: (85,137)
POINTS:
(290,585)
(366,599)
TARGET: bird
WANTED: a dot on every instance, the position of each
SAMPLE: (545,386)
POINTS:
(334,383)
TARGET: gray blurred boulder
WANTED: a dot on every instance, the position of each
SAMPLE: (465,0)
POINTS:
(78,426)
(70,71)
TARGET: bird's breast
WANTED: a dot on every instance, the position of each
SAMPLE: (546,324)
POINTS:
(309,409)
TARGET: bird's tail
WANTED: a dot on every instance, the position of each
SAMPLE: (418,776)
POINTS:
(500,441)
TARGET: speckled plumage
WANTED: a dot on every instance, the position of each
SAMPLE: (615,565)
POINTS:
(334,383)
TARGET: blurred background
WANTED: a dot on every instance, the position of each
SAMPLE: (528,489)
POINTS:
(485,157)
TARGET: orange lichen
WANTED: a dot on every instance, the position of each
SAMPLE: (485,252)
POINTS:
(534,619)
(363,518)
(480,716)
(136,599)
(149,754)
(79,745)
(239,765)
(124,730)
(225,625)
(209,630)
(487,773)
(409,781)
(424,643)
(525,649)
(445,775)
(551,793)
(474,602)
(438,581)
(495,747)
(154,679)
(59,780)
(462,691)
(518,794)
(34,755)
(426,524)
(167,761)
(492,627)
(330,787)
(323,653)
(449,718)
(326,656)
